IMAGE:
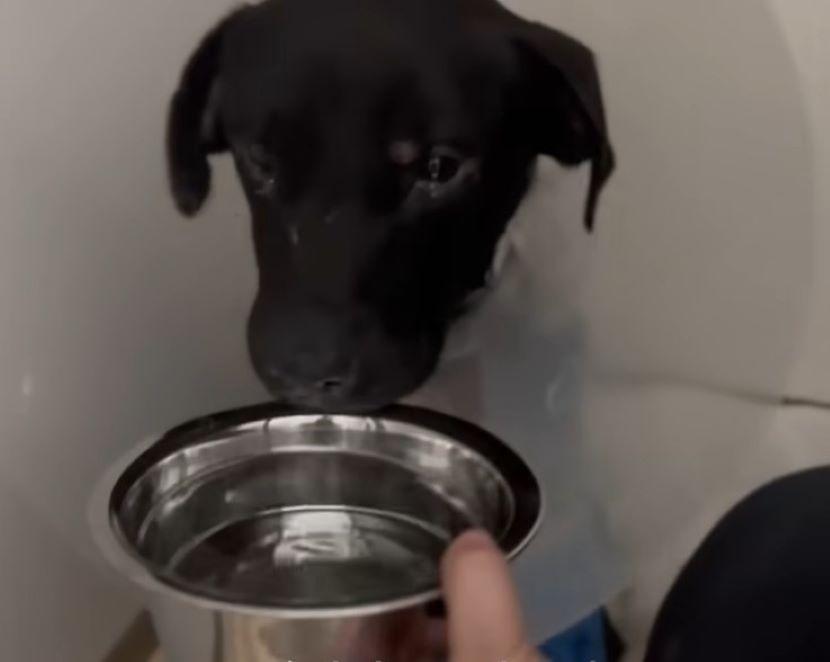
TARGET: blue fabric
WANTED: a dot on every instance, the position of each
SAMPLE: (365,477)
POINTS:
(584,642)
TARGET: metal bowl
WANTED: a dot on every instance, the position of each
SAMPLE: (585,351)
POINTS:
(295,512)
(277,515)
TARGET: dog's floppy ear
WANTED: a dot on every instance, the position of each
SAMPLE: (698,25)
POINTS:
(193,128)
(563,97)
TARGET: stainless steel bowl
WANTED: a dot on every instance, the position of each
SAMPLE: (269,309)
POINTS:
(310,526)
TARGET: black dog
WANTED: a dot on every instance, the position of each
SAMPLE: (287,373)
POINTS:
(383,146)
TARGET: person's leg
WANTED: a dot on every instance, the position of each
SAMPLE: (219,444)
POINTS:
(758,588)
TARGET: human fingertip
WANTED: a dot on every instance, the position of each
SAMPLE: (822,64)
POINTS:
(473,539)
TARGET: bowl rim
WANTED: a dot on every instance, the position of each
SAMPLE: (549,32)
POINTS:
(525,491)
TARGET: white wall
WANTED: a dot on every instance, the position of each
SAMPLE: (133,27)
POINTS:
(704,254)
(803,23)
(720,215)
(700,288)
(708,297)
(117,318)
(702,278)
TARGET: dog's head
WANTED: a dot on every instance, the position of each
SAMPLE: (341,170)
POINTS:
(383,146)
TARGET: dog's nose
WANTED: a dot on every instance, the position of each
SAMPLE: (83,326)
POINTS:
(304,354)
(307,374)
(313,366)
(329,390)
(289,389)
(331,385)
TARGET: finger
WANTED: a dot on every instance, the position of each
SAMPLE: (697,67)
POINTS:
(485,620)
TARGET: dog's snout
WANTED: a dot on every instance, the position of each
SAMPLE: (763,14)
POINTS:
(304,353)
(331,357)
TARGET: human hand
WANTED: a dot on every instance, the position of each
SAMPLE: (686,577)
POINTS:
(485,622)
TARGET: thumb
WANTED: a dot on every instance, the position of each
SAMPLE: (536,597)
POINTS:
(485,621)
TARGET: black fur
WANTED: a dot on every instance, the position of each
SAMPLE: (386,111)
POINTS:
(364,261)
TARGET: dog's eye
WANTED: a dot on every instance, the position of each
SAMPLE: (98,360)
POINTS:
(442,169)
